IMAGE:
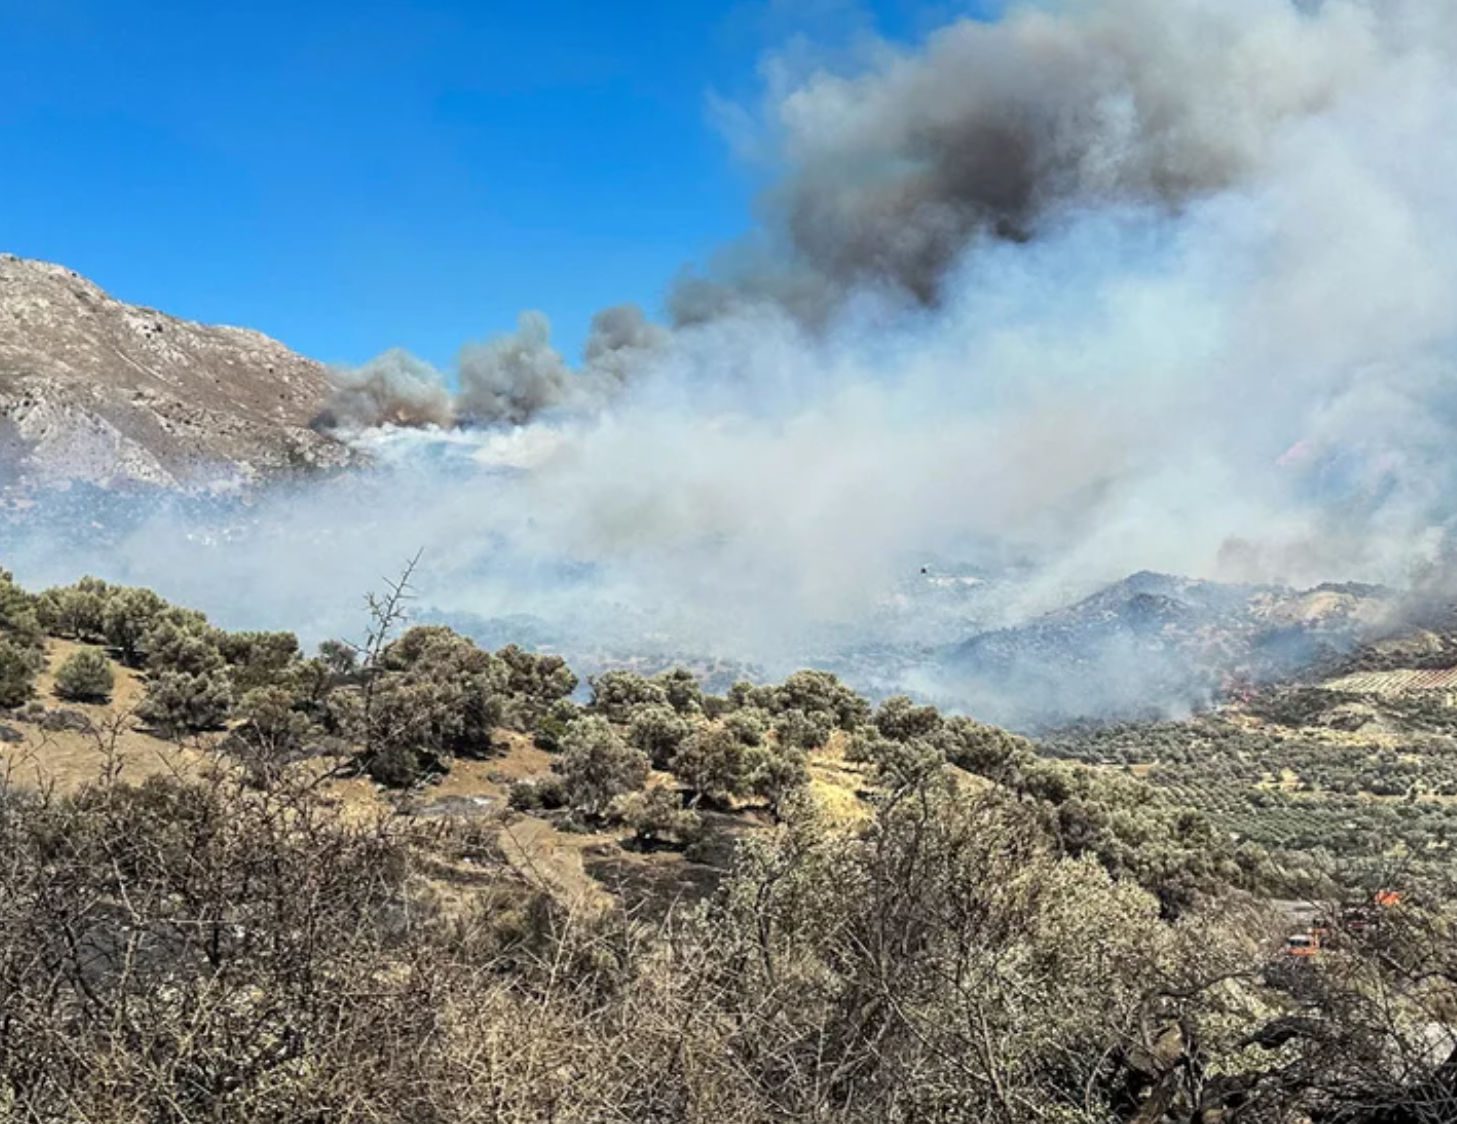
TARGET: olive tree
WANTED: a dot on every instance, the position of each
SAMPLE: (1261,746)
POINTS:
(713,764)
(658,731)
(596,765)
(616,694)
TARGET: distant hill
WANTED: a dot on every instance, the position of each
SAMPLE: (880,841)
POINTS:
(1156,644)
(97,391)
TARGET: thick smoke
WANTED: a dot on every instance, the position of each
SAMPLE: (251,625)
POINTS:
(510,379)
(1104,286)
(392,389)
(997,131)
(994,130)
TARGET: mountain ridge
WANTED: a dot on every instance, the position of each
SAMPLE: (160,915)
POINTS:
(94,390)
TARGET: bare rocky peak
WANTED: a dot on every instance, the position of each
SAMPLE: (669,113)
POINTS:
(95,390)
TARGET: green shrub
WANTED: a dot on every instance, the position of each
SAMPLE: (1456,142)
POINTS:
(183,642)
(534,684)
(441,691)
(552,726)
(179,702)
(749,725)
(127,616)
(596,765)
(716,706)
(398,765)
(271,732)
(713,763)
(896,765)
(538,794)
(258,659)
(821,695)
(775,773)
(75,610)
(19,665)
(745,694)
(657,815)
(682,689)
(18,617)
(85,676)
(658,731)
(901,719)
(616,694)
(988,751)
(800,730)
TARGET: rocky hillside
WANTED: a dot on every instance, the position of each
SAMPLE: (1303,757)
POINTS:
(97,391)
(1157,644)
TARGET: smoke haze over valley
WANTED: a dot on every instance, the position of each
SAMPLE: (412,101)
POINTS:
(1091,289)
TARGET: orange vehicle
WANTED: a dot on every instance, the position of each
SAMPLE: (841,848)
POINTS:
(1302,945)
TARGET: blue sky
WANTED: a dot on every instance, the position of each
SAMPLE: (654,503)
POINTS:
(355,176)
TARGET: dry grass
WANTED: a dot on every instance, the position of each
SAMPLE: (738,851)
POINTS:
(836,783)
(67,759)
(551,859)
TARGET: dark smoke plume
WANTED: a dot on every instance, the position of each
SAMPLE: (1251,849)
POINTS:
(995,130)
(507,380)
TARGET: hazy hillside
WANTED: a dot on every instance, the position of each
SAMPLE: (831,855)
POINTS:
(95,390)
(1154,644)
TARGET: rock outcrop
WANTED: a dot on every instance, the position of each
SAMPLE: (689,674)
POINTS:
(97,391)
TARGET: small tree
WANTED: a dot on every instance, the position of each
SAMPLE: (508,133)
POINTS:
(19,664)
(74,610)
(258,659)
(85,676)
(749,725)
(776,774)
(896,766)
(657,815)
(178,702)
(597,765)
(616,694)
(820,694)
(271,731)
(658,731)
(553,725)
(535,683)
(126,617)
(440,680)
(713,763)
(978,748)
(182,641)
(682,689)
(535,794)
(803,731)
(18,617)
(901,719)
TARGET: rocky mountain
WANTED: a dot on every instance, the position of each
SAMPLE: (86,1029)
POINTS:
(1157,644)
(96,391)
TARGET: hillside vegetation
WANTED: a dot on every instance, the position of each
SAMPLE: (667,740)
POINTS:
(411,879)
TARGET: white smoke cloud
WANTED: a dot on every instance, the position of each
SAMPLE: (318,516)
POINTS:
(1103,286)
